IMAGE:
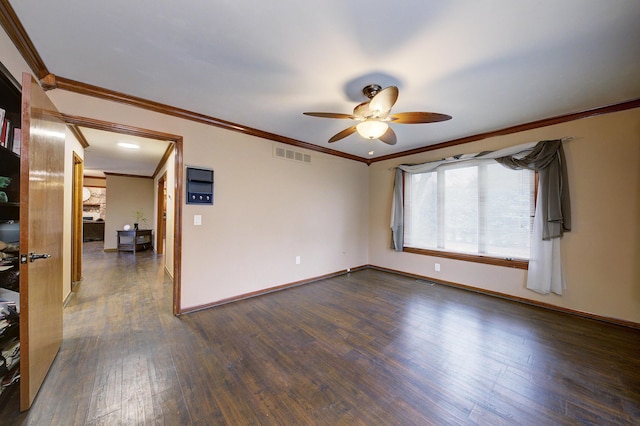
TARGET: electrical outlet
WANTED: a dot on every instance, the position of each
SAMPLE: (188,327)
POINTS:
(297,260)
(437,266)
(197,220)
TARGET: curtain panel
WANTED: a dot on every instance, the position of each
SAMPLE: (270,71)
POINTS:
(553,208)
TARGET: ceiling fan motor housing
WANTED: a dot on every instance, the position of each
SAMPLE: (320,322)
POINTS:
(371,90)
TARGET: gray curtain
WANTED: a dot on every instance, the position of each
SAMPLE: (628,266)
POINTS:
(547,158)
(397,213)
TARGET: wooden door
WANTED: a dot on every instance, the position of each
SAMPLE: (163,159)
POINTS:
(41,221)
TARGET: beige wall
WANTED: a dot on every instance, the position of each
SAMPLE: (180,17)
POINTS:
(267,210)
(11,59)
(602,253)
(125,196)
(95,181)
(71,146)
(169,169)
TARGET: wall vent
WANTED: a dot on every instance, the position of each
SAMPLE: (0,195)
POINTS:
(289,154)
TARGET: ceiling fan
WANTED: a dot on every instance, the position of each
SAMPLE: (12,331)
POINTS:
(374,116)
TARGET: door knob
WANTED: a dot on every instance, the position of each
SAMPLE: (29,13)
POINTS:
(33,257)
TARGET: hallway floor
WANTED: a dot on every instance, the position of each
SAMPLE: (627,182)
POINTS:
(115,364)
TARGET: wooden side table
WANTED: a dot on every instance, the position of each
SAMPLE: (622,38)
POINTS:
(134,240)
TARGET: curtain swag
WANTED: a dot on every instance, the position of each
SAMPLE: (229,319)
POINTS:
(553,209)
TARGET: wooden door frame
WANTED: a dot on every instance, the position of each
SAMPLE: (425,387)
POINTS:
(160,213)
(76,212)
(176,140)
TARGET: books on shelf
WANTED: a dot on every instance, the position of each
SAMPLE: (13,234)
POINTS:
(5,133)
(17,135)
(10,134)
(6,137)
(9,379)
(9,355)
(7,295)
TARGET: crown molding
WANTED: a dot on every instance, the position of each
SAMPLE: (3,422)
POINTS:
(635,103)
(89,90)
(163,160)
(57,82)
(18,35)
(75,130)
(127,175)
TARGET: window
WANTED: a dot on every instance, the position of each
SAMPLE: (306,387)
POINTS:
(482,209)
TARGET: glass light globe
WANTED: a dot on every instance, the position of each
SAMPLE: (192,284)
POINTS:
(372,129)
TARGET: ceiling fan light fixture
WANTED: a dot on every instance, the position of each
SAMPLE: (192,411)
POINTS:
(374,115)
(372,129)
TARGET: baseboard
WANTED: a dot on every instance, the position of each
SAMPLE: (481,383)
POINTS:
(168,272)
(505,296)
(68,298)
(518,299)
(269,290)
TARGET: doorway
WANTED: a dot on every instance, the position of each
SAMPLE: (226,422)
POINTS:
(161,213)
(176,144)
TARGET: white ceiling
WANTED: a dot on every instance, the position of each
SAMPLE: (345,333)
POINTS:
(490,64)
(105,153)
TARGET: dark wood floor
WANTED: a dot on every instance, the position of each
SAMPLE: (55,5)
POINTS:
(367,348)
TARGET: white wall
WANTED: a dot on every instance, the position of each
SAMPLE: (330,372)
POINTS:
(125,196)
(602,252)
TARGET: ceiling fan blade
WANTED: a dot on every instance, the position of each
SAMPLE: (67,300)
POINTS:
(389,137)
(362,110)
(384,100)
(343,134)
(418,117)
(329,115)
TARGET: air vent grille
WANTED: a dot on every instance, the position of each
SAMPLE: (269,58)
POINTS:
(289,154)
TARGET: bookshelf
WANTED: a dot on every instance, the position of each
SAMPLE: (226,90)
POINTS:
(10,135)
